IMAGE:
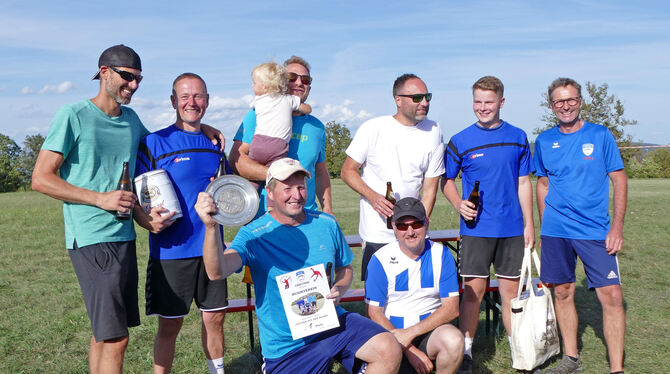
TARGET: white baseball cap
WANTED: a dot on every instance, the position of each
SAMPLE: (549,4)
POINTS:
(284,168)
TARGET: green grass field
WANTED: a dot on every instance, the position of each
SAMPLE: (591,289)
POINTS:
(44,327)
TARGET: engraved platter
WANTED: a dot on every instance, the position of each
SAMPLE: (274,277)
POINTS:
(236,199)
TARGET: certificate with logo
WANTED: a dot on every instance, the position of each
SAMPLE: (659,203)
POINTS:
(303,294)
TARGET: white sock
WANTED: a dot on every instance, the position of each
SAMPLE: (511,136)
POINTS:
(468,347)
(215,366)
(509,339)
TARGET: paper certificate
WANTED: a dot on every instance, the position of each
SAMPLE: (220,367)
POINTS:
(303,293)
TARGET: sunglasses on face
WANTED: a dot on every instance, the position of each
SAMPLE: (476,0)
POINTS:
(127,76)
(305,79)
(419,97)
(404,226)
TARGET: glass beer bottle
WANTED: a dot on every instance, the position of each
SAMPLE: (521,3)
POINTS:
(389,197)
(124,185)
(221,171)
(474,198)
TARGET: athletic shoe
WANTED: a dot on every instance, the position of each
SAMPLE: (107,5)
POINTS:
(466,365)
(566,366)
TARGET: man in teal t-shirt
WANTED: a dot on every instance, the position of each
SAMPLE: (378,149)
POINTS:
(81,163)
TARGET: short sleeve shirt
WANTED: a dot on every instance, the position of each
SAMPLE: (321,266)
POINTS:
(94,147)
(410,290)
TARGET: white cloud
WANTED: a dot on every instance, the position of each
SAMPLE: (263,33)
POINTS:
(57,89)
(217,103)
(27,90)
(344,114)
(148,104)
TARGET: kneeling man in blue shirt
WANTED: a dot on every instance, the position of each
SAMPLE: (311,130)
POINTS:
(289,238)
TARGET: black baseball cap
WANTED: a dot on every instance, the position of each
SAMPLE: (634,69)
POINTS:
(119,56)
(409,206)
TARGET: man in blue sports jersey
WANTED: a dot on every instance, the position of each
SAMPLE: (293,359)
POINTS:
(175,272)
(307,144)
(497,155)
(412,290)
(288,238)
(575,162)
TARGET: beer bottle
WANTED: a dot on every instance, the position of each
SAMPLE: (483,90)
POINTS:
(221,171)
(389,197)
(329,269)
(124,185)
(474,198)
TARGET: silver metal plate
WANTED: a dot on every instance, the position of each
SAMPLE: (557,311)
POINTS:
(236,199)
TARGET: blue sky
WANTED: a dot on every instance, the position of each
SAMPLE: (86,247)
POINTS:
(49,52)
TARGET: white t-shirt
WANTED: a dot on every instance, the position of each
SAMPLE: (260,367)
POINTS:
(389,151)
(274,115)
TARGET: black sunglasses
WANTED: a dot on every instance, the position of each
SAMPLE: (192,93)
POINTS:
(305,79)
(404,226)
(417,98)
(127,76)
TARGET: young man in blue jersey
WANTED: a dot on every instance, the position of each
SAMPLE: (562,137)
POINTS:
(412,290)
(307,144)
(288,238)
(575,162)
(497,155)
(175,272)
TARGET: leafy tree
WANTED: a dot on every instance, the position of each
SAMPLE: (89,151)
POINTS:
(602,108)
(31,148)
(10,154)
(662,158)
(338,138)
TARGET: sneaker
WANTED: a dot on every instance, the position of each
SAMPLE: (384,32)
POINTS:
(466,365)
(566,366)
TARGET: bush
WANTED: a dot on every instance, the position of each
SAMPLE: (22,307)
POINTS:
(647,168)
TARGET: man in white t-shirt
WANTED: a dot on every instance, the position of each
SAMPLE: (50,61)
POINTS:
(405,149)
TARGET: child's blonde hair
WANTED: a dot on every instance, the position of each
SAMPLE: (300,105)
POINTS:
(272,76)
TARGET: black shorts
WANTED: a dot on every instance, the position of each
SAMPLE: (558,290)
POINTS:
(420,342)
(368,250)
(107,274)
(477,254)
(172,285)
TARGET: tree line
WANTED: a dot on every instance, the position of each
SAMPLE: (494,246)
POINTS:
(601,107)
(16,163)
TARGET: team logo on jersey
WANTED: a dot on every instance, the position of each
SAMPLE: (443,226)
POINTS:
(587,148)
(180,159)
(393,260)
(475,155)
(555,145)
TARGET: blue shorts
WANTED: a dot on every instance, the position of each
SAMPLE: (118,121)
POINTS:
(559,259)
(341,344)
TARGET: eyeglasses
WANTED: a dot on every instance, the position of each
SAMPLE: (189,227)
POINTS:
(305,79)
(417,98)
(561,103)
(404,226)
(127,76)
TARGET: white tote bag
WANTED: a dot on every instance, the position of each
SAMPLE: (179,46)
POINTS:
(534,331)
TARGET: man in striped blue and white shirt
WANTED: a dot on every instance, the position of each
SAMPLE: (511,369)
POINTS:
(412,290)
